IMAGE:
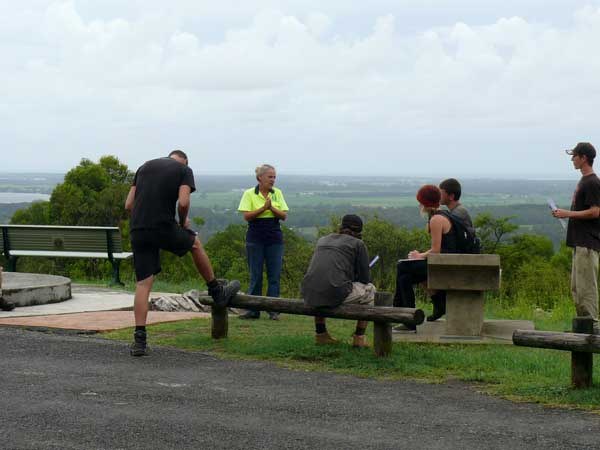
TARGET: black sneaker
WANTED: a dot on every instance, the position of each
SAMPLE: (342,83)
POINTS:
(139,347)
(6,305)
(222,294)
(274,316)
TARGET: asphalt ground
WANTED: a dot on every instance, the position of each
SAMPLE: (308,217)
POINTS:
(61,391)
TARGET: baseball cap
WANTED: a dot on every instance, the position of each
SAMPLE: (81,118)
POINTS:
(583,148)
(352,222)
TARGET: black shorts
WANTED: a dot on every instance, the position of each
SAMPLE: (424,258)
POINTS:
(146,244)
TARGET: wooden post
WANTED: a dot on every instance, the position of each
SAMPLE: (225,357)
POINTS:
(582,363)
(220,322)
(383,330)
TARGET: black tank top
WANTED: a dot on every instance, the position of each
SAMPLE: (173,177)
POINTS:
(449,241)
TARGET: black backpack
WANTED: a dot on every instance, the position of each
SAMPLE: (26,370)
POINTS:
(466,239)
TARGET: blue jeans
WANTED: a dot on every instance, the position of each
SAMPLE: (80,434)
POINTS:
(259,255)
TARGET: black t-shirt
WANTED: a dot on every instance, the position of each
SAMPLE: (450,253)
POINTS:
(157,185)
(585,232)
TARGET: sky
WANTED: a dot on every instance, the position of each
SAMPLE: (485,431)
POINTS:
(384,87)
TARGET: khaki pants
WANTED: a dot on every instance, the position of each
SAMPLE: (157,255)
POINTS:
(584,281)
(362,294)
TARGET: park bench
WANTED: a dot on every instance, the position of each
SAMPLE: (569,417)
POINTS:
(63,242)
(582,343)
(382,314)
(465,278)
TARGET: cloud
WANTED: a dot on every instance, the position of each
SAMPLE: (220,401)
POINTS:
(295,87)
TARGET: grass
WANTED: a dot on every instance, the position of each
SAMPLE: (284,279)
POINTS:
(521,374)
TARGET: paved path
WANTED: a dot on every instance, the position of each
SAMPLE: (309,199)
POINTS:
(92,308)
(73,392)
(97,321)
(85,299)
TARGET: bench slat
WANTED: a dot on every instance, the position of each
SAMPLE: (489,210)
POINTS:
(56,254)
(64,239)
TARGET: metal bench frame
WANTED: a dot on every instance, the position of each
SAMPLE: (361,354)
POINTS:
(108,247)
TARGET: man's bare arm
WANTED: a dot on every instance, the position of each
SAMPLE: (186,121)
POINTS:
(183,205)
(587,214)
(130,199)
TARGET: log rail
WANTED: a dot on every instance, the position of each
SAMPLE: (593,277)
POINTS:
(382,316)
(582,344)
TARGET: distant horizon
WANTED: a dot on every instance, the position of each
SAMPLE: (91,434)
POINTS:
(501,176)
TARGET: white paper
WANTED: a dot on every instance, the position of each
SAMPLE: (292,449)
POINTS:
(553,207)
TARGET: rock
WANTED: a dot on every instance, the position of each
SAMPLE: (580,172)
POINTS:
(173,303)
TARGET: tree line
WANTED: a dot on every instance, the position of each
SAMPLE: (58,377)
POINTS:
(93,193)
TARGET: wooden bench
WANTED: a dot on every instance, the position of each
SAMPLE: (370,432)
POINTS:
(63,242)
(382,314)
(582,343)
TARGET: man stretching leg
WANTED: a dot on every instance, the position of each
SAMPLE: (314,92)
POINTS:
(159,187)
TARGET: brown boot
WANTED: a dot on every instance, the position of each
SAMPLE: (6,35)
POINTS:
(324,339)
(359,341)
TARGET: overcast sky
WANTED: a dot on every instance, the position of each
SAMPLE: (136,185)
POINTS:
(392,87)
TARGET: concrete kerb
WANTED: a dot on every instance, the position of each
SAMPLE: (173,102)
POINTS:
(28,289)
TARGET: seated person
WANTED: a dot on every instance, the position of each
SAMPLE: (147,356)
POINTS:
(414,270)
(339,273)
(451,191)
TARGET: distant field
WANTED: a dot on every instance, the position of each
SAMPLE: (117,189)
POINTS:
(230,200)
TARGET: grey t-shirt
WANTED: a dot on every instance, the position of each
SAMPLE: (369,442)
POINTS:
(338,260)
(461,212)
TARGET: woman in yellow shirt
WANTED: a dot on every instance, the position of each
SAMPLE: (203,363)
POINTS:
(263,207)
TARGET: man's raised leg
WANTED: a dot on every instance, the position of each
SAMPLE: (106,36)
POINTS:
(221,294)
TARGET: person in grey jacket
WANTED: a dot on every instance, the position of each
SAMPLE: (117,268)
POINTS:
(339,274)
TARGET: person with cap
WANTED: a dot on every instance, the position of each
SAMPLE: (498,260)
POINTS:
(413,270)
(263,207)
(583,232)
(339,274)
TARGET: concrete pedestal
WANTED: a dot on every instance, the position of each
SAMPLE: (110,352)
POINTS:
(465,278)
(464,313)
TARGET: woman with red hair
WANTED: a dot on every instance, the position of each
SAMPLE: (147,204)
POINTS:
(414,270)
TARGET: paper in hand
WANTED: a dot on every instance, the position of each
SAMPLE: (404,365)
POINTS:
(553,207)
(374,261)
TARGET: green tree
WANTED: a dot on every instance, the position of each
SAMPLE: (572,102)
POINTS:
(92,194)
(491,230)
(37,213)
(390,243)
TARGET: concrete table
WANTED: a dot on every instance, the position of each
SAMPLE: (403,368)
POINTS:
(465,278)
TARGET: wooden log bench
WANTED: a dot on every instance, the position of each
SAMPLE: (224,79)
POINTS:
(382,314)
(63,242)
(465,278)
(582,343)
